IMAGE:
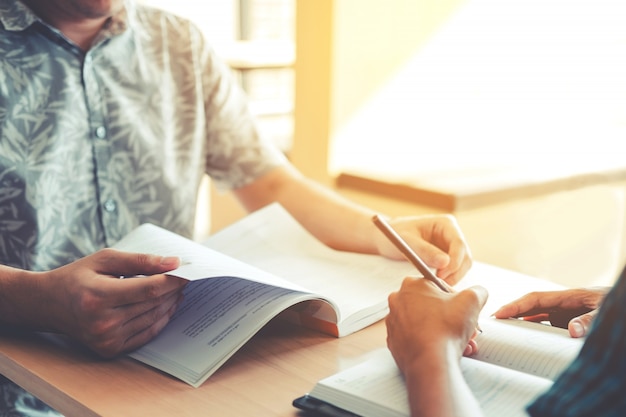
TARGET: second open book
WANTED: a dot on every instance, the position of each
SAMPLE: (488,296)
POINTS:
(517,361)
(243,276)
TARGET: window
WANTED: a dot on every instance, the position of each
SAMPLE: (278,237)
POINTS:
(256,37)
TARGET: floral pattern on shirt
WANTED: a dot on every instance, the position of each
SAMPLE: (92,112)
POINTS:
(94,144)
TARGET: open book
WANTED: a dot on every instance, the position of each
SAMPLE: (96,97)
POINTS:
(517,361)
(243,276)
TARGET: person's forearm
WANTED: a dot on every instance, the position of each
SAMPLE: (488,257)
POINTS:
(337,222)
(19,302)
(437,388)
(334,220)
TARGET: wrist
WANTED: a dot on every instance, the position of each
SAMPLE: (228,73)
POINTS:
(22,298)
(430,377)
(433,356)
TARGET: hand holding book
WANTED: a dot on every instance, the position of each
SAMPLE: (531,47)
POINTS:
(248,273)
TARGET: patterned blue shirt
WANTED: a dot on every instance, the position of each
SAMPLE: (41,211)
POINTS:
(595,384)
(94,144)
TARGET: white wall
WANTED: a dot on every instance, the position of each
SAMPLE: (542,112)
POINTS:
(517,76)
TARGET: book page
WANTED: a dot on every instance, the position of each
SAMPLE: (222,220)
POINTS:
(532,348)
(197,261)
(216,317)
(502,391)
(272,240)
(226,303)
(375,388)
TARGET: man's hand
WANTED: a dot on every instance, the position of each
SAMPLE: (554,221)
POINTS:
(437,239)
(427,332)
(572,309)
(422,317)
(88,301)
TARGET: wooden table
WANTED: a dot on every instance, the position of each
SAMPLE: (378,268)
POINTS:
(471,187)
(280,363)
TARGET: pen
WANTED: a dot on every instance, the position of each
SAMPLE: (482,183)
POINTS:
(410,255)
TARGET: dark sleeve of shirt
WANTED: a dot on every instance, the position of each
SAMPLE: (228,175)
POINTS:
(595,383)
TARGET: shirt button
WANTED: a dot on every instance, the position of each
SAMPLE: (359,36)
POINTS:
(101,132)
(110,205)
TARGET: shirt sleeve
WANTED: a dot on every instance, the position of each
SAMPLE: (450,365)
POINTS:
(595,383)
(237,152)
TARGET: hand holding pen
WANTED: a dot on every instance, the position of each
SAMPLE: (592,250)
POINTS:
(410,255)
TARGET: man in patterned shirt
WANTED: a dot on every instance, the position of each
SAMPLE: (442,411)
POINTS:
(110,114)
(594,385)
